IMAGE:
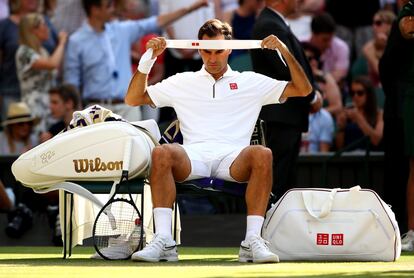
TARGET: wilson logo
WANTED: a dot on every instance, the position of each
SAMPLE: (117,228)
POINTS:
(95,165)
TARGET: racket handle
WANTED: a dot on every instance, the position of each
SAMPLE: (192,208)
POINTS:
(127,156)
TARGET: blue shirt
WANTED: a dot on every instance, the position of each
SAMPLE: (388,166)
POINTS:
(321,129)
(99,64)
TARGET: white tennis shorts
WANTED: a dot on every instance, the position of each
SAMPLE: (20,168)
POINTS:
(208,160)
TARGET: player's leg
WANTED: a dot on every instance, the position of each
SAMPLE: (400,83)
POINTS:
(254,164)
(169,163)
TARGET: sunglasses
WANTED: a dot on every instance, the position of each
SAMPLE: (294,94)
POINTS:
(359,93)
(23,124)
(378,22)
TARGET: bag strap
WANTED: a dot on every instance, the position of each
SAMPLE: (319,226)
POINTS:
(72,188)
(326,207)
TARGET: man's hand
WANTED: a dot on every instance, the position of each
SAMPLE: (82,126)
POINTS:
(158,45)
(354,115)
(62,37)
(272,42)
(198,4)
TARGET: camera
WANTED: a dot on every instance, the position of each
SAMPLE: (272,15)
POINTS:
(20,220)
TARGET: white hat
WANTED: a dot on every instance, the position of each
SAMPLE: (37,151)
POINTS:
(19,112)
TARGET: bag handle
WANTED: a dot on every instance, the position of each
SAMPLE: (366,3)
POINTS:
(326,207)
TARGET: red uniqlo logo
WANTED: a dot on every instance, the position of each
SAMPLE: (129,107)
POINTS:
(337,239)
(322,239)
(195,44)
(233,86)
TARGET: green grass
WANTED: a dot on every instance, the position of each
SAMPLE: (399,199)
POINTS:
(45,262)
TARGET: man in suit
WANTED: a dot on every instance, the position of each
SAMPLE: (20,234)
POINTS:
(284,123)
(396,72)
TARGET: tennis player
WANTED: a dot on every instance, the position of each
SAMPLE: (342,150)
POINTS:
(217,109)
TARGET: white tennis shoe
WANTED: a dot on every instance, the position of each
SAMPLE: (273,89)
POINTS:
(407,241)
(160,249)
(255,250)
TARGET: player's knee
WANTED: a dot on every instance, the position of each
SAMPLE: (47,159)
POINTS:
(161,156)
(262,158)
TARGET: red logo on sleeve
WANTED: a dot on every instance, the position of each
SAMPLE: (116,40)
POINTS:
(233,86)
(322,239)
(195,44)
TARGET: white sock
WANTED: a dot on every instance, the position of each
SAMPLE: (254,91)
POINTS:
(254,225)
(162,218)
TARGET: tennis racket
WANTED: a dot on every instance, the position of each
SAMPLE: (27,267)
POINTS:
(118,228)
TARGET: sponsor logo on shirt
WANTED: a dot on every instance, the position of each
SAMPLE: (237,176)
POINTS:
(233,86)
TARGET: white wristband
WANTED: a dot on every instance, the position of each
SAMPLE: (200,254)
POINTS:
(315,99)
(146,63)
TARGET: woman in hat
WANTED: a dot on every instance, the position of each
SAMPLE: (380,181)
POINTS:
(18,135)
(36,70)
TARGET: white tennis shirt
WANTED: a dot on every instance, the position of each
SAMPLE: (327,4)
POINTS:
(222,111)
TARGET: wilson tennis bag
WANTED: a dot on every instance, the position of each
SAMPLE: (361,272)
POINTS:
(316,224)
(94,153)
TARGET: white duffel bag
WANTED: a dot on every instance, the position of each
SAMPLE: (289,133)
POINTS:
(317,224)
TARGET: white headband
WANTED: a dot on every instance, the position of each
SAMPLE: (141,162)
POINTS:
(218,44)
(205,44)
(214,44)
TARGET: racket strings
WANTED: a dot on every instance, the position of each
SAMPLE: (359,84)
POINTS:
(118,230)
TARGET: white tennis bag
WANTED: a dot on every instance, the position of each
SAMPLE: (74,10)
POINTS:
(317,224)
(96,152)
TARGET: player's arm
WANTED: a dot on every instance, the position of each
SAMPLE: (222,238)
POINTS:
(299,86)
(137,90)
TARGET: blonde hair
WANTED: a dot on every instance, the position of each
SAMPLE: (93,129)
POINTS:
(386,16)
(26,26)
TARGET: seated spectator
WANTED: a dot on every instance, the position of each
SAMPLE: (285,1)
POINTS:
(64,100)
(326,83)
(362,118)
(354,20)
(35,66)
(320,133)
(334,51)
(18,135)
(17,138)
(375,47)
